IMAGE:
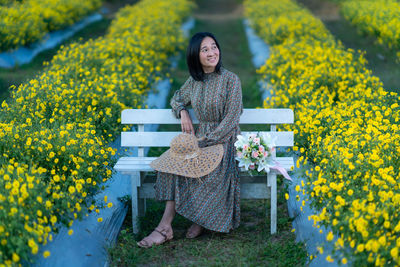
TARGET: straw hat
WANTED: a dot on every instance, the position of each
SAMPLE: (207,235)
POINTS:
(185,158)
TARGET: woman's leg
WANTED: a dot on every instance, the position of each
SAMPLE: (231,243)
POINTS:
(194,231)
(168,216)
(163,232)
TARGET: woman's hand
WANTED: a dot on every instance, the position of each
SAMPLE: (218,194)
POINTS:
(186,122)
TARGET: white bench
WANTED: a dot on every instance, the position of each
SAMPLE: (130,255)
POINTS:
(251,187)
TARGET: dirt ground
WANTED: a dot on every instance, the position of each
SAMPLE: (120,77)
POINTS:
(324,10)
(114,5)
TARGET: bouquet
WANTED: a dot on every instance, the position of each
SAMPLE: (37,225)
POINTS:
(254,153)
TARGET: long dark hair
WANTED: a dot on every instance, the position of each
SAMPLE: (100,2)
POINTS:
(193,55)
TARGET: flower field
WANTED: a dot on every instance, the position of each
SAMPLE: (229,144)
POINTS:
(55,128)
(346,128)
(377,18)
(24,22)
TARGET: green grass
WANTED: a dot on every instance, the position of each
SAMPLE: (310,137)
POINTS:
(381,60)
(22,74)
(249,245)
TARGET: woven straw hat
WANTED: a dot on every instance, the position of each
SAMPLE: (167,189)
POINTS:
(185,158)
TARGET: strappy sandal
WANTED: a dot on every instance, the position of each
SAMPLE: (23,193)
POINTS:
(144,244)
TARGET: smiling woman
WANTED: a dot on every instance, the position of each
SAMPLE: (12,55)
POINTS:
(203,55)
(209,54)
(211,201)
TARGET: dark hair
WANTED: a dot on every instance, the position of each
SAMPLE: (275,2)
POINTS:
(193,55)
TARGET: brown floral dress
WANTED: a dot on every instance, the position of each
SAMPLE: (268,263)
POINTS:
(213,201)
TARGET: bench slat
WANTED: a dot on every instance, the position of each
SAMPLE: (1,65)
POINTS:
(164,116)
(131,164)
(163,139)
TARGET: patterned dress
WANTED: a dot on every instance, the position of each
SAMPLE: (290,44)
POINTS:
(213,201)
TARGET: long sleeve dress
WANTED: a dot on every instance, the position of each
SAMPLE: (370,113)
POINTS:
(212,201)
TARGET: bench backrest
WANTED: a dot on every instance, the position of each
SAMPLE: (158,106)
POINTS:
(143,139)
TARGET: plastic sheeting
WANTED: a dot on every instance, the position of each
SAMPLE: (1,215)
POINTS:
(305,232)
(260,51)
(25,54)
(90,240)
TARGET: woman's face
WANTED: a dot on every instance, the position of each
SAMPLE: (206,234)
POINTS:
(209,54)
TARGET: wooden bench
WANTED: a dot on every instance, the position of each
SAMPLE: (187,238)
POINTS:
(256,187)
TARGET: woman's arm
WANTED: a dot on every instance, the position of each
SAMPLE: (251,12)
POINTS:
(181,98)
(186,122)
(232,111)
(179,101)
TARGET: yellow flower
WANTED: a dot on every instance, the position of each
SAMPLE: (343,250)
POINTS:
(71,189)
(35,250)
(329,258)
(56,178)
(78,187)
(394,252)
(15,257)
(330,236)
(382,240)
(31,243)
(46,254)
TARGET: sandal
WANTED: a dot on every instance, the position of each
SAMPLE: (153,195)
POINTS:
(191,234)
(144,244)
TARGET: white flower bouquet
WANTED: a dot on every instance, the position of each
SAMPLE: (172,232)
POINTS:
(254,153)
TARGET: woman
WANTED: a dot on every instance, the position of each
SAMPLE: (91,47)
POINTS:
(213,201)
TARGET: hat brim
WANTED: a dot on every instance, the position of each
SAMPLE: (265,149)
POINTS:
(207,161)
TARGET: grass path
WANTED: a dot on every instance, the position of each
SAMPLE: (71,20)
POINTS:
(251,244)
(381,60)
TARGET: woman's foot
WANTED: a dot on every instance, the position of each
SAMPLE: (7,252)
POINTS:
(194,231)
(159,236)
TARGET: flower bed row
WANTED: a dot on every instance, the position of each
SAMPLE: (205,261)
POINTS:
(24,22)
(346,127)
(377,18)
(55,129)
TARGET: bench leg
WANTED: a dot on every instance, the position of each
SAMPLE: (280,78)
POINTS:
(135,183)
(272,184)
